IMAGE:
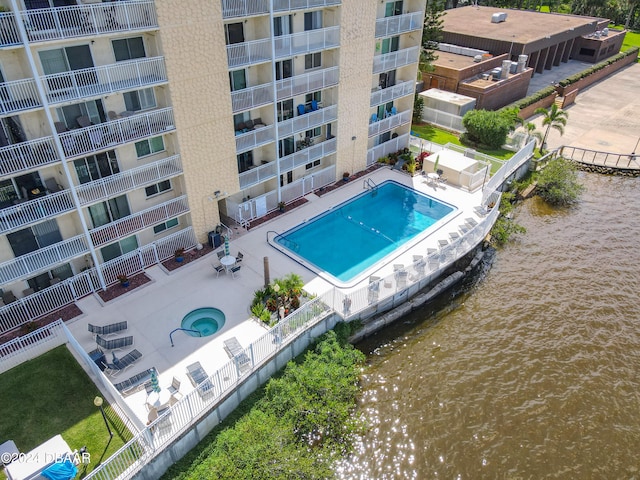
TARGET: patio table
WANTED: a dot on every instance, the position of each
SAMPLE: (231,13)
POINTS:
(228,261)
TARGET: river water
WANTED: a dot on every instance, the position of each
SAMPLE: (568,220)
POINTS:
(531,372)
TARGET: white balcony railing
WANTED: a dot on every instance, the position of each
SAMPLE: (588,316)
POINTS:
(43,259)
(384,149)
(96,81)
(393,60)
(309,82)
(133,223)
(306,42)
(307,121)
(18,95)
(389,94)
(249,53)
(389,26)
(251,97)
(35,210)
(125,181)
(110,134)
(58,23)
(258,175)
(9,35)
(307,155)
(27,155)
(244,8)
(285,5)
(255,138)
(392,121)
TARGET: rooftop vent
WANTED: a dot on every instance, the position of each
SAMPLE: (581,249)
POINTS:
(477,58)
(498,17)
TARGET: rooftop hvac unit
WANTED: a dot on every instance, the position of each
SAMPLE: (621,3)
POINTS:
(496,72)
(605,31)
(506,65)
(513,68)
(522,58)
(477,58)
(485,76)
(498,17)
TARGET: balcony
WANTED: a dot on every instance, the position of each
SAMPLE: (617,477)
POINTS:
(9,36)
(255,138)
(129,180)
(36,210)
(97,81)
(389,94)
(43,259)
(384,149)
(307,121)
(307,42)
(307,155)
(285,5)
(18,95)
(390,122)
(83,141)
(249,53)
(389,26)
(309,82)
(393,60)
(27,155)
(138,221)
(45,24)
(251,97)
(258,175)
(244,8)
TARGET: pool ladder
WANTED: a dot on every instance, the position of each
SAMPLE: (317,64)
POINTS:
(369,184)
(184,330)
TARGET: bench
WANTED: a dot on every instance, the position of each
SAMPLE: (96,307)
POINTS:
(135,383)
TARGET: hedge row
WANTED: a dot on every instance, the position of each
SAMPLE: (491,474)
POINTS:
(598,66)
(531,99)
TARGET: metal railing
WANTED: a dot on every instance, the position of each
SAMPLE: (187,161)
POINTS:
(42,259)
(257,175)
(27,155)
(58,23)
(9,35)
(384,149)
(307,155)
(83,141)
(393,60)
(18,95)
(307,121)
(306,42)
(95,81)
(249,53)
(244,8)
(306,83)
(32,345)
(602,159)
(397,24)
(392,121)
(507,169)
(251,97)
(128,180)
(139,221)
(255,138)
(285,5)
(36,210)
(308,184)
(386,95)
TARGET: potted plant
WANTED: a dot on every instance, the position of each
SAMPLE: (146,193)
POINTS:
(179,255)
(281,206)
(124,280)
(345,176)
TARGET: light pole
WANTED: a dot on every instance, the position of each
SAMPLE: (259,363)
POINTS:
(98,403)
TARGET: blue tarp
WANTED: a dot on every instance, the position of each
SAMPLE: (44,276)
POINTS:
(61,471)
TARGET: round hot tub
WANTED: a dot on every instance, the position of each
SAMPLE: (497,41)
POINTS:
(203,322)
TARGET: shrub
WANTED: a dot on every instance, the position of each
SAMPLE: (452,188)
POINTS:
(505,227)
(531,99)
(558,183)
(598,66)
(487,127)
(418,106)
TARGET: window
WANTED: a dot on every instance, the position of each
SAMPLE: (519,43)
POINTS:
(139,100)
(237,80)
(316,132)
(282,25)
(387,79)
(317,96)
(390,44)
(92,109)
(245,161)
(161,187)
(117,249)
(309,166)
(161,227)
(128,48)
(587,52)
(109,211)
(393,8)
(285,110)
(312,20)
(96,166)
(149,146)
(234,33)
(286,146)
(239,118)
(312,60)
(284,69)
(61,60)
(33,4)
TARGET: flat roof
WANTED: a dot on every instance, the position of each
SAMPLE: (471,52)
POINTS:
(454,60)
(449,97)
(521,26)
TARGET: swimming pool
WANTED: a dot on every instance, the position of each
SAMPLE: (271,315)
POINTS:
(352,237)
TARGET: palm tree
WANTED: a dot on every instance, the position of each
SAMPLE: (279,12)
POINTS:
(531,132)
(555,118)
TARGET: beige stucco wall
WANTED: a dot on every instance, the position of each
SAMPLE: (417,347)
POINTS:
(192,41)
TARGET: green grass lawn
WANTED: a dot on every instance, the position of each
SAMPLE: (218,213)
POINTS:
(52,395)
(631,39)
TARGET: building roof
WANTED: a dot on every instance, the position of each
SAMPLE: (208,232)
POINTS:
(453,60)
(521,26)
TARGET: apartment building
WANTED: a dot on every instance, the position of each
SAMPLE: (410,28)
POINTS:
(129,129)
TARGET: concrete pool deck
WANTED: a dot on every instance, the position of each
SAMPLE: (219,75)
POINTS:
(155,309)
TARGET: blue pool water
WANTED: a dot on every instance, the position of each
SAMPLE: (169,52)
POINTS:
(352,237)
(206,320)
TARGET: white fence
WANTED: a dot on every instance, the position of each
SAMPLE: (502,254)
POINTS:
(31,345)
(443,119)
(508,169)
(305,42)
(309,82)
(384,149)
(248,53)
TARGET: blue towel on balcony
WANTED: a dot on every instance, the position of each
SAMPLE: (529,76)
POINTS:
(60,471)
